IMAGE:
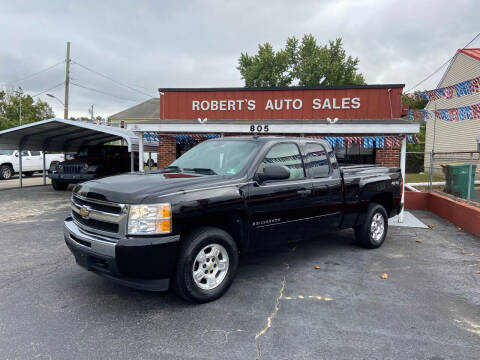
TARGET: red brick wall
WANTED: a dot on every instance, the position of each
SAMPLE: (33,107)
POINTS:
(167,150)
(387,157)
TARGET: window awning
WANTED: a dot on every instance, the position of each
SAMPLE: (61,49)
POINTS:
(321,126)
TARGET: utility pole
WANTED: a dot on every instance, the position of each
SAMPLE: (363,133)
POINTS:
(20,97)
(92,119)
(67,81)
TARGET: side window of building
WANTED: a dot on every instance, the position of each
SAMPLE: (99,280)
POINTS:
(35,153)
(317,160)
(286,154)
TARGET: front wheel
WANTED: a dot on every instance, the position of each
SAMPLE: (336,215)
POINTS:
(372,233)
(6,172)
(206,266)
(59,186)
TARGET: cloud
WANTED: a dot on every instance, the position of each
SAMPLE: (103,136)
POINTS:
(197,43)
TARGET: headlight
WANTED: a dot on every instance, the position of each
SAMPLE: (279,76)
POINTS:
(85,167)
(150,219)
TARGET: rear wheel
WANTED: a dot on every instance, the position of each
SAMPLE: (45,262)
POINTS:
(59,185)
(206,266)
(6,172)
(372,233)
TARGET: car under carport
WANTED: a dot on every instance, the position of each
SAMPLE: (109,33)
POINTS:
(60,135)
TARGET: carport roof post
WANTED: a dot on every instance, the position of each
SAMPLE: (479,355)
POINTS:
(62,135)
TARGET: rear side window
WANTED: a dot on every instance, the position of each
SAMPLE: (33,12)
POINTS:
(286,154)
(317,160)
(35,153)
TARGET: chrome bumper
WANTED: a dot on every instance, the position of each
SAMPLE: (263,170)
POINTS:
(87,243)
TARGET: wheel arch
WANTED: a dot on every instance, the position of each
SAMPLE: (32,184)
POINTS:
(385,199)
(232,223)
(7,164)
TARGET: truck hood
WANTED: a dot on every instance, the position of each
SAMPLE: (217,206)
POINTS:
(5,158)
(136,188)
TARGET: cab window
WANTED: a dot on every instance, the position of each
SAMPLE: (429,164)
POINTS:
(317,160)
(286,154)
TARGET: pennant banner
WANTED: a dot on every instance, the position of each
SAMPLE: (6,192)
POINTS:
(150,137)
(468,112)
(463,88)
(367,142)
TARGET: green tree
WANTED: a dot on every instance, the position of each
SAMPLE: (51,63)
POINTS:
(31,110)
(304,63)
(414,101)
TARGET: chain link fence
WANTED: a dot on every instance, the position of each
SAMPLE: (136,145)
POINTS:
(452,172)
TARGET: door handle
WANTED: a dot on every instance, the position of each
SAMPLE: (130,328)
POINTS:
(304,192)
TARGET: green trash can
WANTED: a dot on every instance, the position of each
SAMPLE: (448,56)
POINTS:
(456,179)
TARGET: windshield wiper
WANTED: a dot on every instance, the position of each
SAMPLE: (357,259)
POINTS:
(173,168)
(205,171)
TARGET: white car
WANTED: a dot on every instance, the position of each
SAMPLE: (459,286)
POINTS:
(32,161)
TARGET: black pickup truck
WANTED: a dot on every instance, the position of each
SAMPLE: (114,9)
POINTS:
(185,225)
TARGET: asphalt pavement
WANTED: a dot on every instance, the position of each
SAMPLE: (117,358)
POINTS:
(279,307)
(14,182)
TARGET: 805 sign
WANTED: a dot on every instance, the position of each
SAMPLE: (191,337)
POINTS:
(259,128)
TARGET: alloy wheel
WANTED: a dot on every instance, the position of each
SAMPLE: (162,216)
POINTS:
(210,266)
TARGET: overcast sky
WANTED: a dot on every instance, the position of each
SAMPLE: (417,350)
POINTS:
(152,44)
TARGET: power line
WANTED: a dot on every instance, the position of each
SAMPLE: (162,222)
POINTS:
(53,87)
(445,63)
(111,79)
(36,73)
(102,92)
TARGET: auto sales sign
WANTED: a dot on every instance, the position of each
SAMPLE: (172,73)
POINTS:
(355,102)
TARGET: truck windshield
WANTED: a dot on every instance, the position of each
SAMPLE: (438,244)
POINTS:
(221,157)
(6,152)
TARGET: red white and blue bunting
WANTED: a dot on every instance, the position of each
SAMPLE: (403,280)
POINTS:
(367,142)
(462,88)
(468,112)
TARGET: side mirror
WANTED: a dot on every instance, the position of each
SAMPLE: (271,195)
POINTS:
(16,154)
(274,172)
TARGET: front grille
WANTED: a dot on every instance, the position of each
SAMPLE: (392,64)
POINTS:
(104,218)
(114,209)
(96,224)
(72,168)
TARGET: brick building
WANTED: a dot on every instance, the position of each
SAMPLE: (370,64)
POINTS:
(363,123)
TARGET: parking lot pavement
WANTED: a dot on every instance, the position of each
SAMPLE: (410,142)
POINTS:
(279,307)
(34,180)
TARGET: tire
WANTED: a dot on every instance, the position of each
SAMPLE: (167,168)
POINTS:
(150,163)
(59,186)
(373,232)
(28,174)
(215,283)
(6,172)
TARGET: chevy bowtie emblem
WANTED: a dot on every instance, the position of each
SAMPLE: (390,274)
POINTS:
(84,212)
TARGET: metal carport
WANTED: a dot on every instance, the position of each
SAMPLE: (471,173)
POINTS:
(60,135)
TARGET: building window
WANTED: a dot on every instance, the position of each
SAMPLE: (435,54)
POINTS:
(355,154)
